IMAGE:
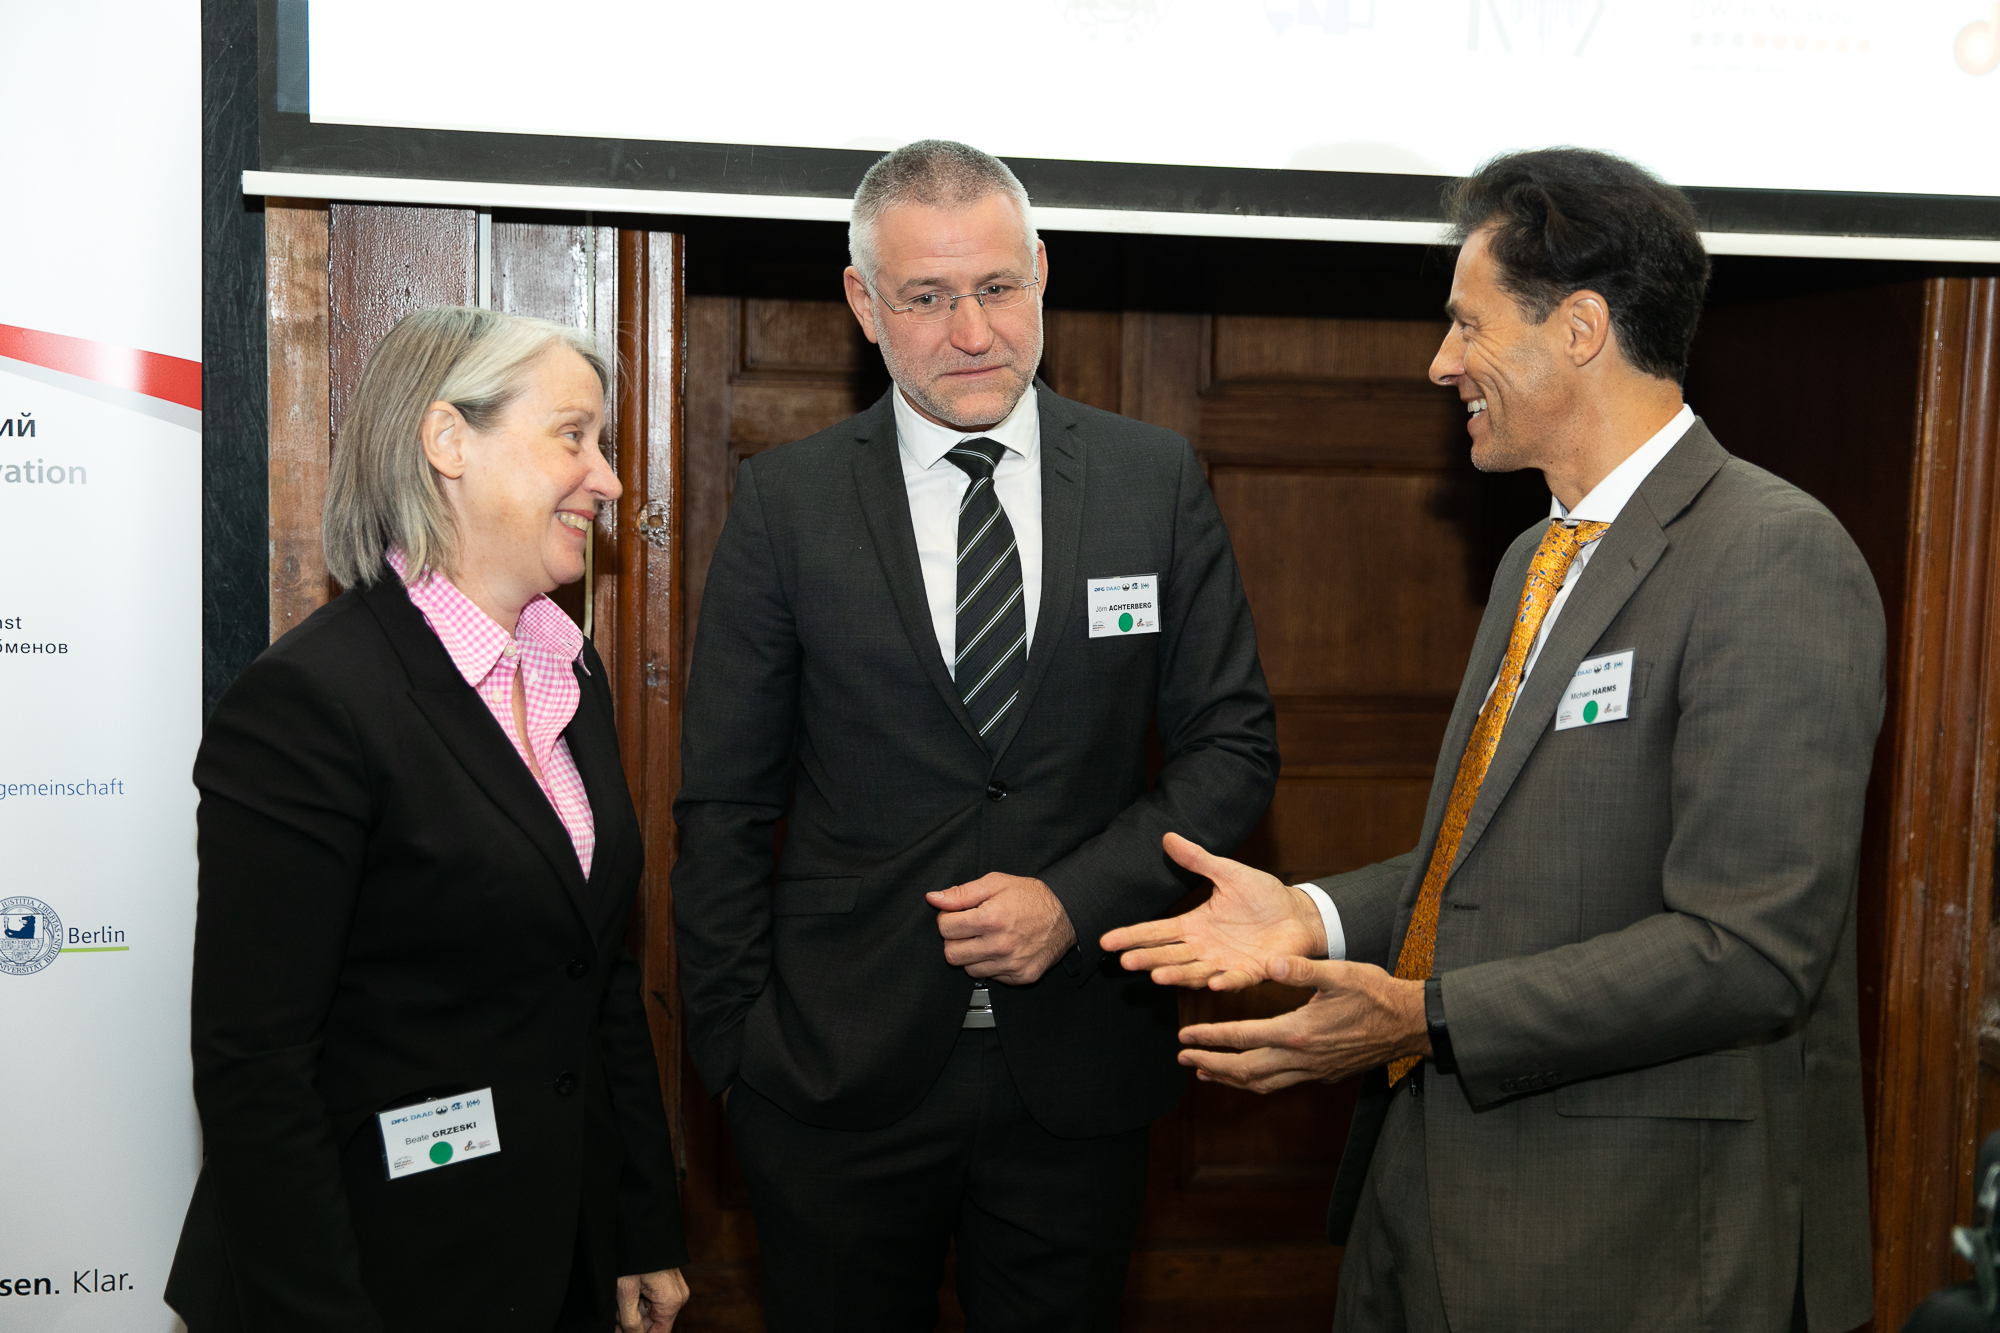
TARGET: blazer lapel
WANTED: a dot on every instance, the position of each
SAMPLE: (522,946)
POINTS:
(1626,555)
(885,505)
(593,743)
(467,728)
(1062,534)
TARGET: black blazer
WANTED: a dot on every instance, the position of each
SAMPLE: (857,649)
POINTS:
(819,695)
(390,910)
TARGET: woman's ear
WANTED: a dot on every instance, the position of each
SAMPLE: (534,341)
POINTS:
(443,433)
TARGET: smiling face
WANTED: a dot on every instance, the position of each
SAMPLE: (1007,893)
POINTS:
(1514,377)
(970,369)
(525,491)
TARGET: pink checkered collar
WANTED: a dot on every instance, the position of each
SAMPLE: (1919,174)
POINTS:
(473,639)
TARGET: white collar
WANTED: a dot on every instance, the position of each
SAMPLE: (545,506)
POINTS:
(1607,499)
(923,442)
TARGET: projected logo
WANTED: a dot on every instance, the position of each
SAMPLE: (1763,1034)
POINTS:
(1978,46)
(30,936)
(1533,27)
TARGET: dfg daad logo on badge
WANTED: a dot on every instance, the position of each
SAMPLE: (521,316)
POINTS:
(30,935)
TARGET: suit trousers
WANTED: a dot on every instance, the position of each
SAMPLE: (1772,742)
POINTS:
(853,1226)
(1388,1276)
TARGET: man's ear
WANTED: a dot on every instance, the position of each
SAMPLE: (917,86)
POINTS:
(443,432)
(1586,317)
(1042,267)
(860,302)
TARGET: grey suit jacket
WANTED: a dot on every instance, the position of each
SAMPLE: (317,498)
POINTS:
(1646,945)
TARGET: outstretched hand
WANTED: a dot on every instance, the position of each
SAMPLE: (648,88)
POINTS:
(1227,942)
(1359,1017)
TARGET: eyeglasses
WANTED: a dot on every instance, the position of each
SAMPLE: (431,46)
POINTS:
(933,306)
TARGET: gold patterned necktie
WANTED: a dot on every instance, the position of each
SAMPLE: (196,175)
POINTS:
(1546,573)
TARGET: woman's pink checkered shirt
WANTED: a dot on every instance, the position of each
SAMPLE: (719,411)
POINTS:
(542,648)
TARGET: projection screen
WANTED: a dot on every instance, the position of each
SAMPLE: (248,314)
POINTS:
(1810,118)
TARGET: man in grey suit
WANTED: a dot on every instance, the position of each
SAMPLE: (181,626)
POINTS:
(935,640)
(1605,1011)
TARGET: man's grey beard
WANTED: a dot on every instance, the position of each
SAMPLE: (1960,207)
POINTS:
(907,383)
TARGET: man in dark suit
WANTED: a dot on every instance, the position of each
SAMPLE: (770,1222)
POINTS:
(1613,986)
(935,640)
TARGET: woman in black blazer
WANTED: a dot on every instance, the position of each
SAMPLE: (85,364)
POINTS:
(428,1096)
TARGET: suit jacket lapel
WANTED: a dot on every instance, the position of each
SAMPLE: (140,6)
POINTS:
(1625,556)
(593,744)
(885,504)
(467,728)
(1062,534)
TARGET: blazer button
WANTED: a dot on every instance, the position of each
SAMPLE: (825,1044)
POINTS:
(565,1083)
(576,969)
(996,791)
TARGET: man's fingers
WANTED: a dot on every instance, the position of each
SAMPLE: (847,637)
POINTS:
(1320,974)
(1192,856)
(1170,954)
(959,897)
(628,1304)
(964,925)
(1243,1035)
(1262,1070)
(1144,935)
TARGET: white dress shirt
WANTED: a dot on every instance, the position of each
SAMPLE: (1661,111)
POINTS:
(1605,502)
(936,485)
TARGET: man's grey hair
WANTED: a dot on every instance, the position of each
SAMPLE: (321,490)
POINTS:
(930,173)
(382,491)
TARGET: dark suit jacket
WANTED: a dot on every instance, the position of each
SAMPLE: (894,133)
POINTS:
(390,909)
(1646,945)
(819,695)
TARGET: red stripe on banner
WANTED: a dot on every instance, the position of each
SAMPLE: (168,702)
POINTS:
(150,373)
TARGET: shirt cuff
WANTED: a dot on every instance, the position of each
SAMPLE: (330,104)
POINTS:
(1329,915)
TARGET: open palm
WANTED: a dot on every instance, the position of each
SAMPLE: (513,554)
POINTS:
(1227,942)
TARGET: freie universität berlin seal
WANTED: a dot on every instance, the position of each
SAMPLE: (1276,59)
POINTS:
(30,935)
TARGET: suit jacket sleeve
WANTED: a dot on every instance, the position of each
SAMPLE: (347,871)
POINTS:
(1367,900)
(650,1237)
(737,743)
(1780,697)
(282,833)
(1218,735)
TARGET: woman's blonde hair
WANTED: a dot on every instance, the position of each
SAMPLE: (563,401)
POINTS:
(382,491)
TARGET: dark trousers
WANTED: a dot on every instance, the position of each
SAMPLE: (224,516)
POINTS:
(853,1225)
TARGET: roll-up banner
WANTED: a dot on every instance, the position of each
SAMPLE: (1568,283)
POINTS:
(100,654)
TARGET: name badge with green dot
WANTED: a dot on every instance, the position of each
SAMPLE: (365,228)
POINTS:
(1122,604)
(442,1132)
(1600,692)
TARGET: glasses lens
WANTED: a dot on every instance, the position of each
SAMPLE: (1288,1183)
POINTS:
(1000,295)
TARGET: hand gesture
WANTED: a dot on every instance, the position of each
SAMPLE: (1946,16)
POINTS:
(648,1302)
(1002,927)
(1359,1017)
(1225,943)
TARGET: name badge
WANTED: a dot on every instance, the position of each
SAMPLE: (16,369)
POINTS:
(1600,691)
(1123,604)
(438,1133)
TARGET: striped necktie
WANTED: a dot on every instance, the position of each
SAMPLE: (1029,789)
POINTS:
(1546,573)
(992,623)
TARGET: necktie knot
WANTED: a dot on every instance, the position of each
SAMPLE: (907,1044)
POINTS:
(977,458)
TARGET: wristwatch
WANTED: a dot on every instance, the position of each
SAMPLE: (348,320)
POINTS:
(1440,1057)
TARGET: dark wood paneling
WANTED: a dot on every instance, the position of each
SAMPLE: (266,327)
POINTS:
(386,261)
(1939,908)
(295,300)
